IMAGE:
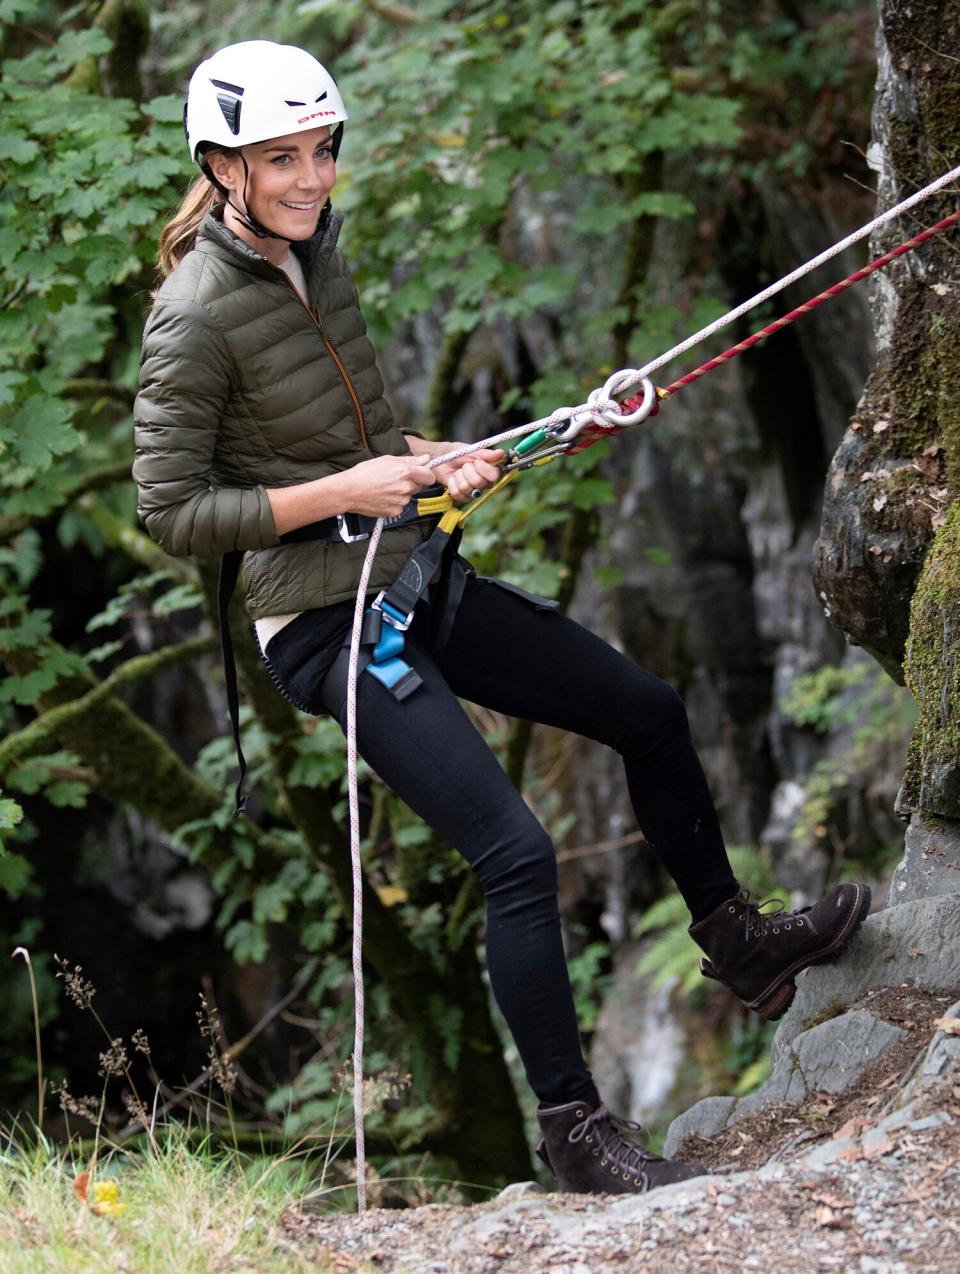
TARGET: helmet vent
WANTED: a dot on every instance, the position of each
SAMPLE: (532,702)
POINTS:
(321,97)
(295,103)
(229,101)
(231,111)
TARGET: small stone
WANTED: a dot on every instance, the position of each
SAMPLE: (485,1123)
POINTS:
(518,1189)
(936,1120)
(725,1200)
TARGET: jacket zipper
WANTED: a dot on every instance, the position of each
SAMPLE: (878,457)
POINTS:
(347,381)
(328,344)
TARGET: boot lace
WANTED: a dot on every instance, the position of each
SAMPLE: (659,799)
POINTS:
(757,922)
(610,1135)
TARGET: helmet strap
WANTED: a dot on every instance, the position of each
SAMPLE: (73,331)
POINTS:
(251,222)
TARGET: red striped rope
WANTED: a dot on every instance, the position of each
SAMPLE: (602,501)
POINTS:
(837,288)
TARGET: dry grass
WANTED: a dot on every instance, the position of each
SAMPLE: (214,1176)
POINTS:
(182,1208)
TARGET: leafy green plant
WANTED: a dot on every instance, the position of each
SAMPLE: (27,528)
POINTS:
(589,982)
(871,715)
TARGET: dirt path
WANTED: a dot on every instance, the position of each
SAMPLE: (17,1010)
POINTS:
(869,1182)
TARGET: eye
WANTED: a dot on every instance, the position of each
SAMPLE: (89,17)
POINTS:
(323,153)
(280,161)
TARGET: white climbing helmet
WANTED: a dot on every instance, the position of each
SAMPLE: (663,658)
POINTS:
(255,90)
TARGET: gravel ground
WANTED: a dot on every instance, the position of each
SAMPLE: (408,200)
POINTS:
(878,1193)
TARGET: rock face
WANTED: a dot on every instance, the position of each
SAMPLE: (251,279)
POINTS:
(888,485)
(834,1029)
(931,863)
(885,517)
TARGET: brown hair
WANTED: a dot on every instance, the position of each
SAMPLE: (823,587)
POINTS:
(180,233)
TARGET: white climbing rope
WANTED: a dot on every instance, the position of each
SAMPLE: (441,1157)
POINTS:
(602,409)
(354,804)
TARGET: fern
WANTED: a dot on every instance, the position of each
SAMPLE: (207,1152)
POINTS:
(673,956)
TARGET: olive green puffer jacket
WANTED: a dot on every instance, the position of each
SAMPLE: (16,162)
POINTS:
(243,388)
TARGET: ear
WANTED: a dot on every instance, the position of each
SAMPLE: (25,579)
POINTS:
(223,168)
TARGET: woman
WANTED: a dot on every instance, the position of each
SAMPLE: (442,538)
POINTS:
(262,428)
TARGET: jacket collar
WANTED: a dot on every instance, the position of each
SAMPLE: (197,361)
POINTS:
(314,253)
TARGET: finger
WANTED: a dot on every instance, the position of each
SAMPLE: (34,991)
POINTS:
(489,472)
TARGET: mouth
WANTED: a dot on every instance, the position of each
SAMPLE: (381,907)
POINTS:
(300,207)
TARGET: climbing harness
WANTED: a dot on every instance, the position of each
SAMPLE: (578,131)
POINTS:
(344,528)
(377,633)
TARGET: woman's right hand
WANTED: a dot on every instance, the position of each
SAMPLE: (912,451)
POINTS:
(384,486)
(378,488)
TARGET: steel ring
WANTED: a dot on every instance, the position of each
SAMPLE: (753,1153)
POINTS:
(615,417)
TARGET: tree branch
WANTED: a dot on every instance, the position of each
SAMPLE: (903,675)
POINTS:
(94,480)
(118,533)
(97,387)
(398,13)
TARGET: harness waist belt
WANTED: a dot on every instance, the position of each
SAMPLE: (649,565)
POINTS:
(347,528)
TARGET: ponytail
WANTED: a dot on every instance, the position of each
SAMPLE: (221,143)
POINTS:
(180,233)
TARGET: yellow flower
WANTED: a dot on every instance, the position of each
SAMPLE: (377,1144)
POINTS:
(106,1199)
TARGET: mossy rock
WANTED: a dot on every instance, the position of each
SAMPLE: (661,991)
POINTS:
(932,781)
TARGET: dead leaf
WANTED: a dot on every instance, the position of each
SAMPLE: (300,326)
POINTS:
(832,1200)
(81,1184)
(880,426)
(878,1148)
(913,952)
(852,1128)
(827,1217)
(390,895)
(949,1025)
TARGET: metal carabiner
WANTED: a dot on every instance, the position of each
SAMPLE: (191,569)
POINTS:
(613,415)
(567,430)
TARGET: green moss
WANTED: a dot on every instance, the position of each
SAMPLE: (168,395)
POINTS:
(933,674)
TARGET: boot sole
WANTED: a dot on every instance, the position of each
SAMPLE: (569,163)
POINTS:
(779,996)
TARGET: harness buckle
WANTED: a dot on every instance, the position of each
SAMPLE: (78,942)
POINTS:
(391,615)
(348,528)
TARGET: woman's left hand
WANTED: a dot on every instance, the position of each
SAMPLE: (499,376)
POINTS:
(466,476)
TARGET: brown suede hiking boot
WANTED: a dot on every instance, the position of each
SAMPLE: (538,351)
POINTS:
(757,954)
(590,1152)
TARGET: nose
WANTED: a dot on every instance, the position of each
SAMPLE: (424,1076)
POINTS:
(316,176)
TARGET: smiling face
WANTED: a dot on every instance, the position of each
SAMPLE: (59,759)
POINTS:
(290,179)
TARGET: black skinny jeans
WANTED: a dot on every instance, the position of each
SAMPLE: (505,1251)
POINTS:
(507,654)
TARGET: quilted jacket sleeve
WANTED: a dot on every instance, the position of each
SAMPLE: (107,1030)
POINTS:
(185,383)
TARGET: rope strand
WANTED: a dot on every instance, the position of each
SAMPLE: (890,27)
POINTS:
(807,306)
(353,799)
